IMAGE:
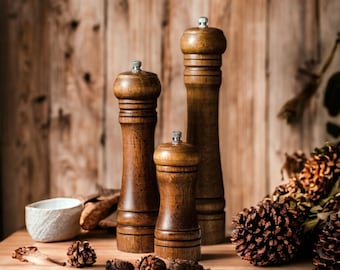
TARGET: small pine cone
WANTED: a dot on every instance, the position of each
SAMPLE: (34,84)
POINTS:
(185,265)
(268,234)
(150,262)
(80,254)
(286,190)
(327,248)
(321,171)
(292,189)
(117,264)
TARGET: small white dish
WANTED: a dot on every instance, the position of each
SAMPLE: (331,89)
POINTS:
(52,220)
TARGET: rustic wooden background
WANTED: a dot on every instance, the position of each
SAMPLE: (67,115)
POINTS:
(60,134)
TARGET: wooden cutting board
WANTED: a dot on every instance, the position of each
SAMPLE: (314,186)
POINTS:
(221,257)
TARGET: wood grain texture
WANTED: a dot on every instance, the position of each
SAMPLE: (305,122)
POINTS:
(3,75)
(282,83)
(60,130)
(24,130)
(215,257)
(180,16)
(137,91)
(130,35)
(242,114)
(177,231)
(203,49)
(303,44)
(77,80)
(329,27)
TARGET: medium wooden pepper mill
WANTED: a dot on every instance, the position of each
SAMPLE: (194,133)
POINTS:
(177,233)
(203,47)
(138,206)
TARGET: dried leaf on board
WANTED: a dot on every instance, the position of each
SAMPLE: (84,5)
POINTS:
(33,255)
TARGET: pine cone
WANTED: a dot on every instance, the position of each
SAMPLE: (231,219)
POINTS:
(294,196)
(185,265)
(286,190)
(80,254)
(150,262)
(117,264)
(268,234)
(327,249)
(321,171)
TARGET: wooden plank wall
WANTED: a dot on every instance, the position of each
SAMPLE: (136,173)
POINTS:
(24,111)
(308,38)
(60,134)
(77,78)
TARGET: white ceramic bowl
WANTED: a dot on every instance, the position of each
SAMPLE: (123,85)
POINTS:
(54,219)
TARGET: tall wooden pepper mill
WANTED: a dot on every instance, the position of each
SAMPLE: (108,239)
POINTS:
(203,47)
(138,206)
(177,233)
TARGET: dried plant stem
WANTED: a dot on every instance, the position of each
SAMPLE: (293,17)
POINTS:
(293,109)
(56,262)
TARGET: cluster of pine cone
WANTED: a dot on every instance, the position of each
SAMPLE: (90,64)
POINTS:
(305,212)
(151,262)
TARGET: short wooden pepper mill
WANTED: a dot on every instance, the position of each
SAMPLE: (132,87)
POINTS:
(177,233)
(137,213)
(203,47)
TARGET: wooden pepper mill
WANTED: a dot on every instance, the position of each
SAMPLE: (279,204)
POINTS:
(203,47)
(177,233)
(138,206)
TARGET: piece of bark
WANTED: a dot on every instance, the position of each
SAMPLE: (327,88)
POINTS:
(107,224)
(96,210)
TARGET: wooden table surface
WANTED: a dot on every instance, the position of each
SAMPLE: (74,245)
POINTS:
(214,256)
